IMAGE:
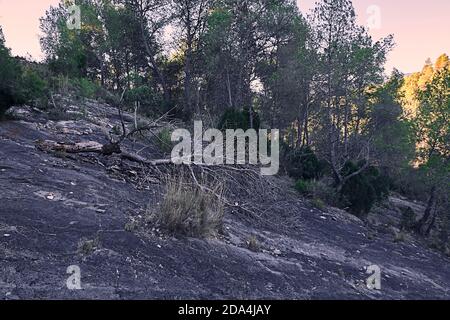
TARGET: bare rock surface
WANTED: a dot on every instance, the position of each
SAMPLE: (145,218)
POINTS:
(50,204)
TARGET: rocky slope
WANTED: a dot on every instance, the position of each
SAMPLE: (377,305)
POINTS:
(58,210)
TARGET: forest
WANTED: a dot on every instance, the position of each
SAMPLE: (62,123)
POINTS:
(351,135)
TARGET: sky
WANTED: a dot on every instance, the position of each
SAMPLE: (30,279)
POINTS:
(421,28)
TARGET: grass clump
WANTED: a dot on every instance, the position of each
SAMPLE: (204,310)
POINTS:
(399,237)
(191,209)
(302,187)
(319,191)
(319,204)
(253,244)
(87,247)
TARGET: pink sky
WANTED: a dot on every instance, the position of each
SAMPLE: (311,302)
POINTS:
(421,28)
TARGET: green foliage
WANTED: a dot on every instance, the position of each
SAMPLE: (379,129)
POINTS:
(410,182)
(9,78)
(393,136)
(432,119)
(165,140)
(416,83)
(302,186)
(72,52)
(320,191)
(362,191)
(408,218)
(302,163)
(85,88)
(149,100)
(18,85)
(33,86)
(235,119)
(79,87)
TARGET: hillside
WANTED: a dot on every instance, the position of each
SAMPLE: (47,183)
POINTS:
(58,210)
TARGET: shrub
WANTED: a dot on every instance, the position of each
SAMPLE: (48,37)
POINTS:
(408,218)
(323,190)
(18,85)
(411,182)
(191,210)
(235,119)
(149,100)
(33,86)
(302,186)
(302,163)
(10,73)
(318,190)
(399,236)
(318,204)
(87,247)
(61,84)
(362,191)
(85,88)
(164,140)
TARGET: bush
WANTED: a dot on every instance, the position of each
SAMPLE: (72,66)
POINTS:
(323,190)
(150,101)
(33,86)
(85,88)
(190,210)
(87,247)
(234,119)
(18,85)
(399,236)
(319,191)
(319,204)
(164,140)
(61,84)
(10,73)
(408,221)
(302,186)
(303,164)
(412,183)
(362,191)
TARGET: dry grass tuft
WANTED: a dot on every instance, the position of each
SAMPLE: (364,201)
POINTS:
(87,247)
(253,244)
(191,209)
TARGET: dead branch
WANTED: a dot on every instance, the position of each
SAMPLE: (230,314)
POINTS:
(81,147)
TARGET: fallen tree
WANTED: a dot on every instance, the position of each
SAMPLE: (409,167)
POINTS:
(96,147)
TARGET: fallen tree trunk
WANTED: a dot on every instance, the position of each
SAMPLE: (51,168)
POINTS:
(96,147)
(80,147)
(114,148)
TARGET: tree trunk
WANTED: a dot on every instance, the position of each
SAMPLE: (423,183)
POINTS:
(153,63)
(188,78)
(432,223)
(428,211)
